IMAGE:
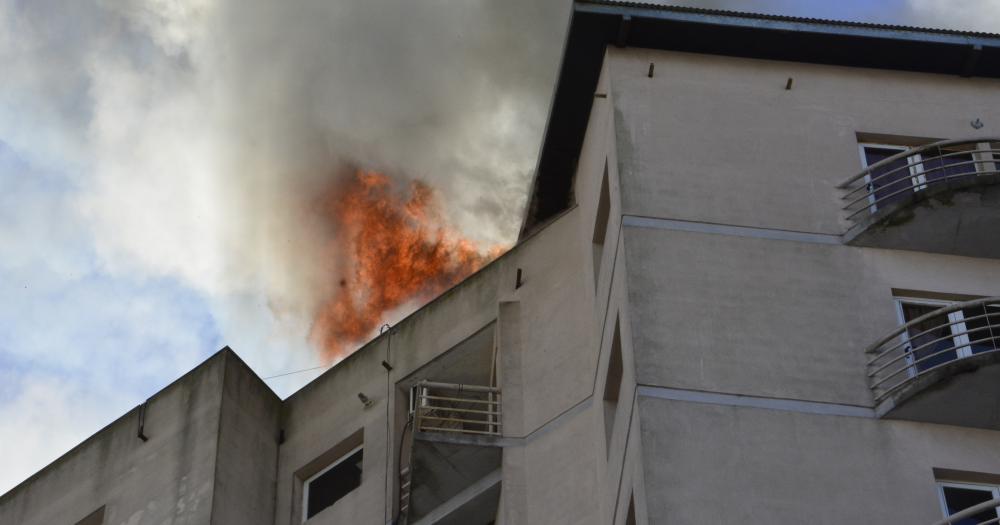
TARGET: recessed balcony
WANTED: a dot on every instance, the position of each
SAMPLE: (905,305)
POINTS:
(941,367)
(452,472)
(942,197)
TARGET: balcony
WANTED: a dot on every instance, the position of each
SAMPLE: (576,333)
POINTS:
(942,197)
(984,513)
(451,474)
(457,409)
(941,367)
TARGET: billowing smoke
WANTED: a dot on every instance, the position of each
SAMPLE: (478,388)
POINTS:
(209,128)
(204,131)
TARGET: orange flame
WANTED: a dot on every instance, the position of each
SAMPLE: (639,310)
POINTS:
(396,249)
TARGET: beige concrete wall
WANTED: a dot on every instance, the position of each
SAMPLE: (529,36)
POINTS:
(719,139)
(721,464)
(774,318)
(547,359)
(316,419)
(247,448)
(167,479)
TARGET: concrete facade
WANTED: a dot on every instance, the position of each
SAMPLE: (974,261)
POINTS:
(683,342)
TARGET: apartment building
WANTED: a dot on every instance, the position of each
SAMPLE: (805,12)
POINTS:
(758,281)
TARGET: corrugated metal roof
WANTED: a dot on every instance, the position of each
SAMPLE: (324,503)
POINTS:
(786,18)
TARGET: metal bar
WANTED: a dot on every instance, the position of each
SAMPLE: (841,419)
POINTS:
(913,364)
(459,399)
(459,430)
(459,387)
(458,420)
(914,151)
(971,511)
(909,339)
(911,164)
(467,410)
(951,335)
(919,373)
(922,186)
(943,310)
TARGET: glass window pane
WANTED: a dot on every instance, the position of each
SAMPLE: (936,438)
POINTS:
(958,499)
(892,181)
(948,165)
(981,328)
(327,488)
(930,340)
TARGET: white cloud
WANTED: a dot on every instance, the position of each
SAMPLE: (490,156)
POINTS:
(975,15)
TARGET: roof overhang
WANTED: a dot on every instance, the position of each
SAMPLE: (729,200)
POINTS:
(596,24)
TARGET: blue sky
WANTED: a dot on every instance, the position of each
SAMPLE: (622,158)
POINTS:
(153,157)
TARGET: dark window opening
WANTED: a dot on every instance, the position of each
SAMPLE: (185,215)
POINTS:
(612,385)
(94,518)
(946,337)
(601,223)
(930,341)
(959,498)
(950,164)
(333,483)
(889,183)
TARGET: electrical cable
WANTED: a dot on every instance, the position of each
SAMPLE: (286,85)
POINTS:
(295,372)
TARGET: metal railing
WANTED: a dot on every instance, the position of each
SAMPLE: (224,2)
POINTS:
(958,517)
(955,332)
(948,162)
(464,409)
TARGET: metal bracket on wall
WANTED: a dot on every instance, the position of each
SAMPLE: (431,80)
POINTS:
(142,422)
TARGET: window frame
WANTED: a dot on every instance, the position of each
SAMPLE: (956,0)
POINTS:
(959,332)
(308,481)
(918,180)
(994,489)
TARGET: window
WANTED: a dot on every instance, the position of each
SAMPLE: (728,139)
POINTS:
(956,497)
(940,338)
(332,483)
(94,518)
(897,179)
(612,385)
(601,223)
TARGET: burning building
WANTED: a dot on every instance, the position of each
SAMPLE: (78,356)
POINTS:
(756,282)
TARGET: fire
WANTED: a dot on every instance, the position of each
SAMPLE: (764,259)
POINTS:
(395,249)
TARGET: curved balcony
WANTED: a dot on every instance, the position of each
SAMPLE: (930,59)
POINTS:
(942,197)
(974,514)
(942,367)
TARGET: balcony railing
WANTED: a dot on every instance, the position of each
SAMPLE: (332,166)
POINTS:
(969,515)
(901,177)
(455,408)
(953,333)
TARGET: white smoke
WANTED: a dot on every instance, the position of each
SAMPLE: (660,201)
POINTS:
(202,129)
(205,127)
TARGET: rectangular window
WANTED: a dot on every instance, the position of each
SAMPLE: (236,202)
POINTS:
(956,497)
(897,179)
(601,223)
(630,515)
(612,385)
(891,182)
(940,338)
(948,165)
(94,518)
(332,483)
